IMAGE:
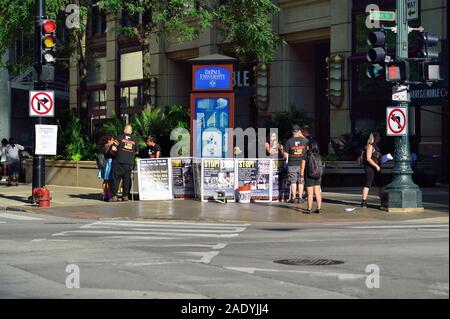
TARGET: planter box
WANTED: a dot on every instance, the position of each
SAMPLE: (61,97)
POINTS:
(67,173)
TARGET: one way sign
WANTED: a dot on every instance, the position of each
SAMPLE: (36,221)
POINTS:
(412,10)
(42,103)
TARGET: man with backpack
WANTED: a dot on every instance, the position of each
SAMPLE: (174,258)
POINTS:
(312,171)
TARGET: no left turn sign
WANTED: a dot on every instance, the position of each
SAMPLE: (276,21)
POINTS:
(396,121)
(42,103)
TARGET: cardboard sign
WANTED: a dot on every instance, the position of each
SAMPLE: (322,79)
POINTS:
(257,174)
(182,178)
(155,179)
(280,185)
(218,175)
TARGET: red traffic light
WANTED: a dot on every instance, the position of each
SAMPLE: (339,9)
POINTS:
(49,26)
(397,71)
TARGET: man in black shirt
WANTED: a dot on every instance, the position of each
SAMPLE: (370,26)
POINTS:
(127,148)
(152,150)
(295,150)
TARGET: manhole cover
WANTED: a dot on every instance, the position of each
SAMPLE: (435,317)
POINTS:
(308,262)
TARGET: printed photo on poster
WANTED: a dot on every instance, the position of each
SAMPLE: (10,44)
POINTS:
(182,178)
(218,175)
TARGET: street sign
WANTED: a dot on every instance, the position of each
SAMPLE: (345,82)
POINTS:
(400,93)
(412,12)
(42,103)
(382,15)
(396,121)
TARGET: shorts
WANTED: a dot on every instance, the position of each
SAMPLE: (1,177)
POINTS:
(14,169)
(294,175)
(372,175)
(105,172)
(310,182)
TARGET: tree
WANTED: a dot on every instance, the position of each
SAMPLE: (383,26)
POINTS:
(245,23)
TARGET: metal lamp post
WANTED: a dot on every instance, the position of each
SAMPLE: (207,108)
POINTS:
(402,195)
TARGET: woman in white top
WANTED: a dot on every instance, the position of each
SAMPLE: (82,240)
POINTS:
(13,161)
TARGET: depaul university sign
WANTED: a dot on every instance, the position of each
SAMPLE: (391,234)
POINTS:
(212,77)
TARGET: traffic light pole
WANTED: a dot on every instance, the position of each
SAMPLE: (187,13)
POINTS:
(38,160)
(402,195)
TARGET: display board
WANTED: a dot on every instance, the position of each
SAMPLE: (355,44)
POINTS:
(197,170)
(155,179)
(257,174)
(280,186)
(182,178)
(218,175)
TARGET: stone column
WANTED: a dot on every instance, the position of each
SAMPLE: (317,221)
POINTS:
(111,63)
(5,108)
(341,43)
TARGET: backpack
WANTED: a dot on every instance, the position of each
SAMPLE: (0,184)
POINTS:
(315,168)
(360,159)
(101,161)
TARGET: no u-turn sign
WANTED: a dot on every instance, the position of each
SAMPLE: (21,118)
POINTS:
(396,121)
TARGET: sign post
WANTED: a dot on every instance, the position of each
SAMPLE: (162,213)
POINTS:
(402,195)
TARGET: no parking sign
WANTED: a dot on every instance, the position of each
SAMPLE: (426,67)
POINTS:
(396,121)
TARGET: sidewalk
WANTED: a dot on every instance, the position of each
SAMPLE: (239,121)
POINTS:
(76,202)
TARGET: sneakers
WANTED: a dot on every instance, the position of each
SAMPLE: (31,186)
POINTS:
(125,199)
(291,201)
(113,199)
(307,211)
(363,204)
(317,211)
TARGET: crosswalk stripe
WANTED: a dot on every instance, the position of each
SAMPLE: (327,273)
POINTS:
(122,222)
(162,229)
(398,226)
(119,232)
(18,217)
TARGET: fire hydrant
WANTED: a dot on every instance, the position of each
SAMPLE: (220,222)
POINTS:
(43,196)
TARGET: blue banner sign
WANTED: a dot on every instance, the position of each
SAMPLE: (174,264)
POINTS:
(210,77)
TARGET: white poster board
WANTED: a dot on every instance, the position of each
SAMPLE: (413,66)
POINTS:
(46,139)
(155,179)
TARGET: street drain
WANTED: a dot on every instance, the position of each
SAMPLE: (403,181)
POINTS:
(308,262)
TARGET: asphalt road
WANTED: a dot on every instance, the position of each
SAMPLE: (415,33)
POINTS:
(41,256)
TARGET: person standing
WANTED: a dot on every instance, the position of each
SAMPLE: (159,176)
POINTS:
(3,164)
(372,166)
(105,172)
(312,171)
(273,148)
(126,148)
(295,151)
(152,150)
(13,161)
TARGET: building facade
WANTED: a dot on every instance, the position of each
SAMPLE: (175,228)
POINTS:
(313,30)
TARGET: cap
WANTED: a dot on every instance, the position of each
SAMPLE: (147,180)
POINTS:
(295,128)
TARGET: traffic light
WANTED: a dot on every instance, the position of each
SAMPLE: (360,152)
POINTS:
(377,39)
(428,46)
(374,71)
(431,71)
(376,55)
(48,42)
(397,71)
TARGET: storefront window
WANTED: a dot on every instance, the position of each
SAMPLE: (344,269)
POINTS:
(131,97)
(97,104)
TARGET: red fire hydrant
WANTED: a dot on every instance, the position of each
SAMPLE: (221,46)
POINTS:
(43,196)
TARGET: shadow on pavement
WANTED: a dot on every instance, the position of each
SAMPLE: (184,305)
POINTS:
(92,196)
